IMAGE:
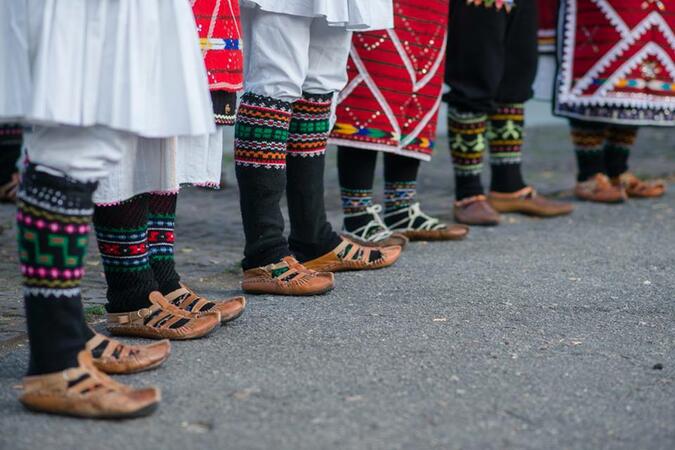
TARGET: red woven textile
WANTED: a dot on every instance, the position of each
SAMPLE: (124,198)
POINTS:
(618,61)
(219,28)
(395,82)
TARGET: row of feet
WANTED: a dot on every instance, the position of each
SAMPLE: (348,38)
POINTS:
(87,391)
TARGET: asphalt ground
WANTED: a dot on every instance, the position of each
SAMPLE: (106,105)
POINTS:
(534,334)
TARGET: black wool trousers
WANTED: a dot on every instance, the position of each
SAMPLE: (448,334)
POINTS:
(492,55)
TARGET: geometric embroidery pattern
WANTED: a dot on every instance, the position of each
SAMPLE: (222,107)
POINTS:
(161,236)
(308,131)
(467,142)
(399,194)
(617,61)
(53,232)
(123,249)
(356,200)
(505,133)
(395,83)
(261,132)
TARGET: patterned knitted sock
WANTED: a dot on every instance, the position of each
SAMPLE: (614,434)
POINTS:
(505,133)
(311,235)
(122,235)
(400,187)
(161,223)
(620,140)
(261,135)
(53,221)
(467,146)
(356,171)
(588,139)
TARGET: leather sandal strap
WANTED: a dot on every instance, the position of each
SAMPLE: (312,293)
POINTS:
(289,274)
(95,341)
(469,200)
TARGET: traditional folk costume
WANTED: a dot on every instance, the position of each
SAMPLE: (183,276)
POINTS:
(294,67)
(135,209)
(490,67)
(616,73)
(391,105)
(82,78)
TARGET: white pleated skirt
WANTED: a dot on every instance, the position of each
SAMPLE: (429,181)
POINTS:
(352,14)
(164,165)
(131,65)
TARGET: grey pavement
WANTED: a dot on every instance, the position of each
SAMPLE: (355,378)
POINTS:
(535,334)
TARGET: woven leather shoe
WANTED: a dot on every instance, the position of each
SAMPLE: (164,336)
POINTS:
(287,277)
(162,320)
(476,211)
(84,391)
(113,357)
(187,300)
(637,188)
(527,201)
(349,255)
(599,189)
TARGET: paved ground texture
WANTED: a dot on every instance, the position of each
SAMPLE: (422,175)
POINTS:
(535,334)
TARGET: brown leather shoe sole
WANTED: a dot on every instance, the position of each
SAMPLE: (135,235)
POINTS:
(527,201)
(256,288)
(162,320)
(287,277)
(228,311)
(450,233)
(113,357)
(531,208)
(475,211)
(396,238)
(346,257)
(599,189)
(637,188)
(600,197)
(190,302)
(84,391)
(71,409)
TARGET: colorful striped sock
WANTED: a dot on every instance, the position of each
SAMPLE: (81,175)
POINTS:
(122,235)
(588,140)
(309,128)
(311,234)
(161,238)
(505,134)
(399,195)
(261,136)
(355,201)
(53,219)
(467,146)
(620,140)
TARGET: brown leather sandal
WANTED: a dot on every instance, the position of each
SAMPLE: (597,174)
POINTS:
(84,391)
(351,256)
(637,188)
(476,211)
(187,300)
(287,277)
(113,357)
(599,189)
(162,320)
(528,201)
